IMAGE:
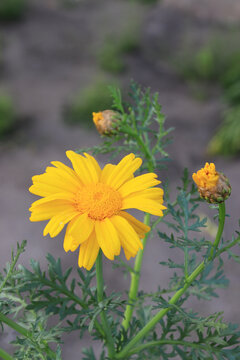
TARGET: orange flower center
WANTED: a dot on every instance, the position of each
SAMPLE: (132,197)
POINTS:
(99,201)
(207,177)
(97,117)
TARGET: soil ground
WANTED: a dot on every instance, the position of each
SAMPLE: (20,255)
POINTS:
(51,55)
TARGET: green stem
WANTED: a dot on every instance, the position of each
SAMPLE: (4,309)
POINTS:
(225,248)
(135,277)
(139,348)
(4,355)
(10,270)
(145,330)
(23,331)
(186,262)
(145,150)
(189,280)
(105,325)
(12,324)
(72,296)
(221,223)
(142,146)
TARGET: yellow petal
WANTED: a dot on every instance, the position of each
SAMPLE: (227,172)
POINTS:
(152,193)
(41,189)
(93,164)
(107,238)
(106,171)
(85,168)
(59,196)
(48,210)
(128,255)
(57,222)
(123,171)
(143,204)
(138,183)
(140,228)
(56,181)
(79,230)
(88,252)
(66,172)
(127,235)
(68,239)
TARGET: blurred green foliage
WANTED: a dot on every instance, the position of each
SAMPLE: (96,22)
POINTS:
(218,62)
(1,52)
(211,63)
(7,115)
(94,98)
(227,139)
(12,9)
(111,55)
(147,1)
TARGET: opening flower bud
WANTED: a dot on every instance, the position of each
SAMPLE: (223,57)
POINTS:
(213,186)
(105,121)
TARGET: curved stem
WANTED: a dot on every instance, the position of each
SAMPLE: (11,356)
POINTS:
(145,330)
(23,331)
(105,325)
(12,324)
(4,355)
(135,277)
(221,223)
(139,348)
(229,246)
(142,146)
(189,280)
(73,297)
(9,273)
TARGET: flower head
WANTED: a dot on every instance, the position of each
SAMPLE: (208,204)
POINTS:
(93,202)
(213,186)
(207,177)
(104,121)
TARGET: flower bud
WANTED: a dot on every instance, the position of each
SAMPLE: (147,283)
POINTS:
(213,186)
(105,121)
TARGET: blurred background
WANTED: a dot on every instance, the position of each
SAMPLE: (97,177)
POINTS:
(57,58)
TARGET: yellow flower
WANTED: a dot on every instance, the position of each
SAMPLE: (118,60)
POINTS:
(207,177)
(97,117)
(105,120)
(93,203)
(213,186)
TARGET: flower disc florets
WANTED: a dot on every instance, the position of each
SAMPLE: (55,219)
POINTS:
(213,186)
(99,201)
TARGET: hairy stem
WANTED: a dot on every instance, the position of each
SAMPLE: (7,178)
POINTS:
(12,324)
(229,246)
(135,277)
(189,280)
(194,345)
(221,223)
(4,355)
(152,323)
(13,264)
(72,296)
(100,297)
(23,331)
